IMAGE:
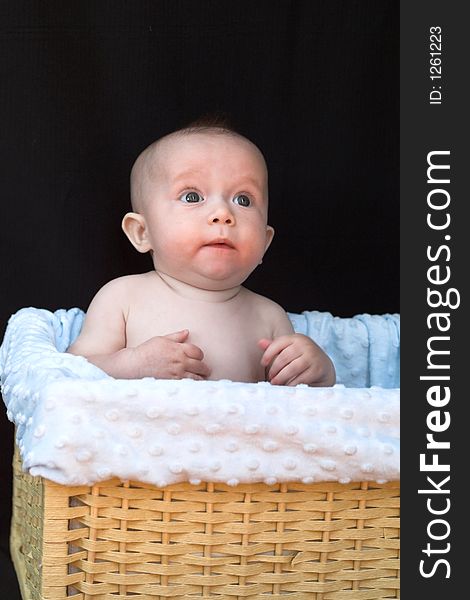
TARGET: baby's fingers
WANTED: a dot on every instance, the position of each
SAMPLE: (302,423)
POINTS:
(188,375)
(193,351)
(264,343)
(292,372)
(283,359)
(197,367)
(177,336)
(273,349)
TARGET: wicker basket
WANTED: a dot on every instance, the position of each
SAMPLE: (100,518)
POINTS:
(115,540)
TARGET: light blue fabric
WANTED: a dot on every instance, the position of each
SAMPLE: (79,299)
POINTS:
(67,325)
(365,349)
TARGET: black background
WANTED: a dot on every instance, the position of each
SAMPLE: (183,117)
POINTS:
(87,85)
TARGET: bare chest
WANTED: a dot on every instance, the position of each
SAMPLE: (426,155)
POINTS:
(226,332)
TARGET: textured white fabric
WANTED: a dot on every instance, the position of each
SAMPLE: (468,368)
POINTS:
(77,425)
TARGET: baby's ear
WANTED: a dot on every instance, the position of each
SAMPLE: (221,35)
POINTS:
(135,227)
(269,236)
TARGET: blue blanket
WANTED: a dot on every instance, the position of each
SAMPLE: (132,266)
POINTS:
(365,349)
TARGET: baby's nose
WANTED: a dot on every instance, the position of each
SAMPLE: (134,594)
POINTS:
(222,215)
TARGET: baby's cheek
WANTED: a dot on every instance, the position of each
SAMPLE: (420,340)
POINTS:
(253,246)
(178,243)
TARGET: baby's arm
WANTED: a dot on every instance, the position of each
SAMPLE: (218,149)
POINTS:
(102,341)
(292,358)
(103,335)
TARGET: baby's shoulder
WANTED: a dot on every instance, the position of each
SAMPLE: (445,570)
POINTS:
(267,307)
(122,287)
(269,314)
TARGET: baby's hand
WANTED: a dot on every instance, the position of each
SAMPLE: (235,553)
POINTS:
(170,357)
(295,359)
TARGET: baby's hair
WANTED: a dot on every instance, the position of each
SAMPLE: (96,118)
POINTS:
(216,122)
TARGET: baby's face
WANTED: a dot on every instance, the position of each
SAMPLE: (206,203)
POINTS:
(205,208)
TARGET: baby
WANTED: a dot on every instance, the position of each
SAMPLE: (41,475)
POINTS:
(200,202)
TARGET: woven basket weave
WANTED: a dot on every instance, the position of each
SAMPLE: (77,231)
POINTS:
(114,540)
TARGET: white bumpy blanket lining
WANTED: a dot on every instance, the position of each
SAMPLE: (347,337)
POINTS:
(76,425)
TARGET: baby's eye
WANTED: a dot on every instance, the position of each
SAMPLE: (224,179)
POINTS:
(242,200)
(191,197)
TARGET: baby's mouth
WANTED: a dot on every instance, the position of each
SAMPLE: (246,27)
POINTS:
(221,245)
